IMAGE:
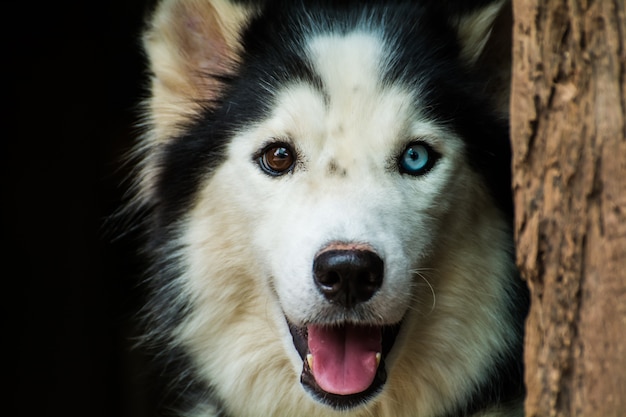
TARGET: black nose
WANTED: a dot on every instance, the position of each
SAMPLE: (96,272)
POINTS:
(348,277)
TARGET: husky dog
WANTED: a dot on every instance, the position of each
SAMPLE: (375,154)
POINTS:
(327,189)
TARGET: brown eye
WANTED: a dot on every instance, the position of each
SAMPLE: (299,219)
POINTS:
(277,159)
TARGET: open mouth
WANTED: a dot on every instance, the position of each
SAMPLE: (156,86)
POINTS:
(343,365)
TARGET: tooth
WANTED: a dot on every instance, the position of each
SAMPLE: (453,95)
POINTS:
(309,359)
(378,356)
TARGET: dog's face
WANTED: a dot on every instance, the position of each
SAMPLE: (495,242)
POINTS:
(338,231)
(353,164)
(343,190)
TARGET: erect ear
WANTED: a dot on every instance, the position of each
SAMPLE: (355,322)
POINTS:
(475,27)
(485,36)
(190,44)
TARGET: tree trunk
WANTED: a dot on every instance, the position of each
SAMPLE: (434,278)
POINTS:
(568,129)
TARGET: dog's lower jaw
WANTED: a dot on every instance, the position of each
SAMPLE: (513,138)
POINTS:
(348,399)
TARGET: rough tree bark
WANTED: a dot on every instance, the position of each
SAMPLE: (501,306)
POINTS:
(568,130)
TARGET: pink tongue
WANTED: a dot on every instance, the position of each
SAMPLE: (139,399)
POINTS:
(344,358)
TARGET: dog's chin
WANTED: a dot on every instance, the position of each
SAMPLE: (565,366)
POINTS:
(343,365)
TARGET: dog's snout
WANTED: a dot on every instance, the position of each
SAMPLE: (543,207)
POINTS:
(348,277)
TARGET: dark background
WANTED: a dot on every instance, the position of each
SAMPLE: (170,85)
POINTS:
(74,74)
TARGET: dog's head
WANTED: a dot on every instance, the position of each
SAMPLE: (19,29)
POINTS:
(325,187)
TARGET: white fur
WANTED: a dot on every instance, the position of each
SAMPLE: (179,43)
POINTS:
(250,239)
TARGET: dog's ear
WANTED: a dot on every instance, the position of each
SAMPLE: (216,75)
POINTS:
(475,26)
(191,45)
(485,36)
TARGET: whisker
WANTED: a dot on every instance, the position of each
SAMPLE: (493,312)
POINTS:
(421,273)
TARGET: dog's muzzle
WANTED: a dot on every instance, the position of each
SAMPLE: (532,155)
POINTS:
(343,362)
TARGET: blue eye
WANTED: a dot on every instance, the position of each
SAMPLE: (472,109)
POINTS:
(417,159)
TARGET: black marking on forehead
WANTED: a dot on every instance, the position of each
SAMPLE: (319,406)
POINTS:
(276,55)
(335,169)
